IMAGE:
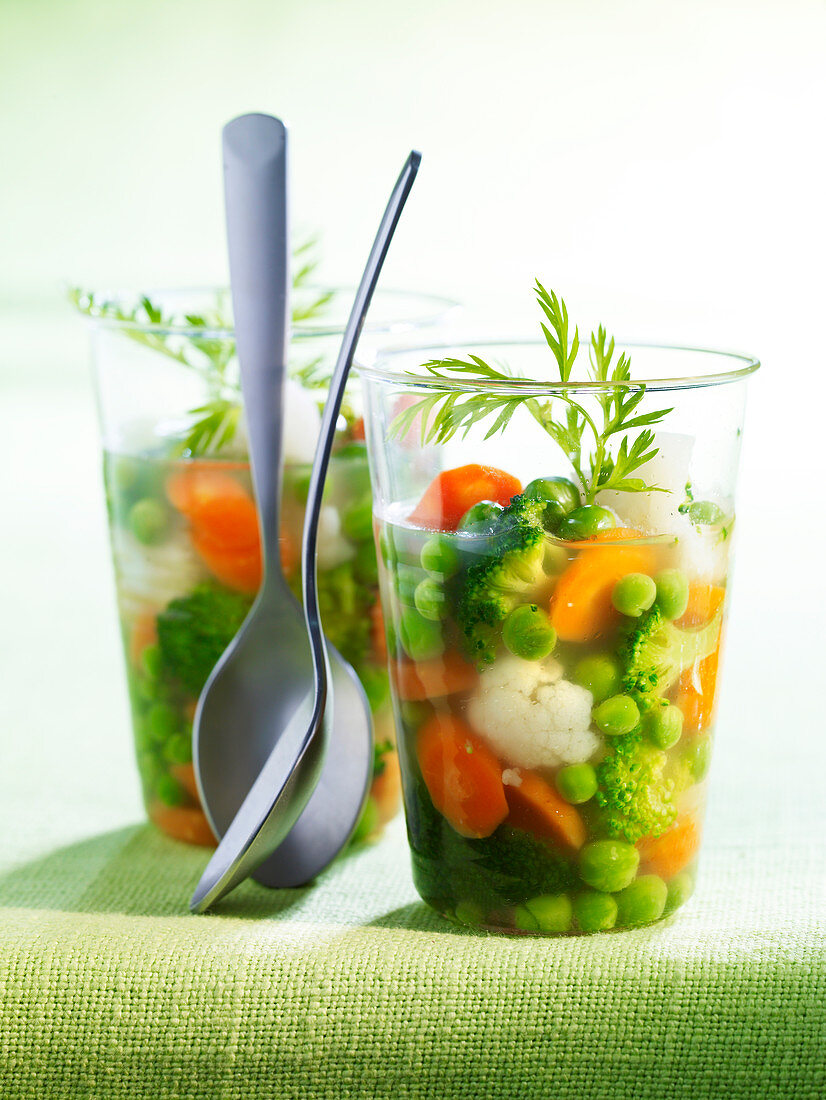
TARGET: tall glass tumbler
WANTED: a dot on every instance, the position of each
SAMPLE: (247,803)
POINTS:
(183,521)
(554,562)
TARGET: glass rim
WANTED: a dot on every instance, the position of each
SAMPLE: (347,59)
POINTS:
(381,367)
(440,305)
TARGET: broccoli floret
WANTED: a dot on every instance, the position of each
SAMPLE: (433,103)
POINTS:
(634,798)
(194,630)
(498,583)
(653,651)
(504,869)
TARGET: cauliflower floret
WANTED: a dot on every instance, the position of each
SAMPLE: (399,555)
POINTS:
(151,576)
(333,547)
(531,717)
(301,423)
(656,513)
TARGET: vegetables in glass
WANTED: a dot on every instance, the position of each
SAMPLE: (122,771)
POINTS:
(554,625)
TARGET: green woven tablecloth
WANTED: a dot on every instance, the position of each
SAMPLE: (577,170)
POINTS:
(108,988)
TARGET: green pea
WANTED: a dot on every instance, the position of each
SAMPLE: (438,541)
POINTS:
(148,520)
(558,490)
(170,791)
(407,579)
(663,724)
(642,901)
(527,633)
(469,912)
(178,749)
(633,594)
(608,865)
(599,673)
(368,823)
(481,518)
(161,721)
(680,889)
(704,512)
(151,660)
(439,557)
(376,685)
(595,911)
(697,757)
(547,913)
(365,565)
(124,471)
(576,783)
(584,522)
(421,638)
(357,520)
(617,715)
(149,769)
(672,592)
(429,599)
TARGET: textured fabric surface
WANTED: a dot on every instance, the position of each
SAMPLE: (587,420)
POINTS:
(108,988)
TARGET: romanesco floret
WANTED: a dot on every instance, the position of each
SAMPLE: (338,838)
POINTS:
(653,651)
(531,717)
(634,798)
(498,583)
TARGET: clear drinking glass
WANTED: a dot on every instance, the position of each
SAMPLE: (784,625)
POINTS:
(554,642)
(183,521)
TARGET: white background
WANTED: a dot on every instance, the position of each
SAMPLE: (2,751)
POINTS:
(660,164)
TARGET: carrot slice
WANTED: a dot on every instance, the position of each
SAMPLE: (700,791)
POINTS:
(581,607)
(704,601)
(182,823)
(463,776)
(537,808)
(697,693)
(434,679)
(668,854)
(189,488)
(230,521)
(238,569)
(386,788)
(449,495)
(378,637)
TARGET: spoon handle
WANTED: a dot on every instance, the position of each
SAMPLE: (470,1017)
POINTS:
(255,195)
(358,313)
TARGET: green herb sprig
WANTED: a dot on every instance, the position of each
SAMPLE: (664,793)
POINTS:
(194,344)
(585,439)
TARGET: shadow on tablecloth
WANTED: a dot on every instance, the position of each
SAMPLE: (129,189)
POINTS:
(136,871)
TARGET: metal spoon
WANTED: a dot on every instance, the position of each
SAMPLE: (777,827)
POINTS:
(272,810)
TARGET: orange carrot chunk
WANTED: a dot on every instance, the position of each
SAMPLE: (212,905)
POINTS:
(237,569)
(704,601)
(463,776)
(183,823)
(449,495)
(581,607)
(416,681)
(536,807)
(697,693)
(668,854)
(191,487)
